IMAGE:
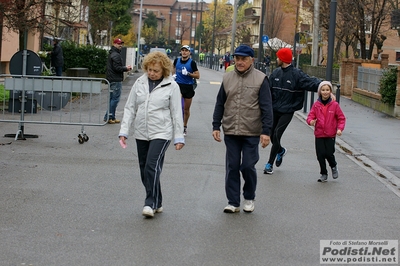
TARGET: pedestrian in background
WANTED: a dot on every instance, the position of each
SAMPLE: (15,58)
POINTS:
(227,60)
(231,67)
(287,85)
(328,120)
(201,57)
(267,63)
(57,57)
(186,74)
(246,123)
(115,75)
(153,113)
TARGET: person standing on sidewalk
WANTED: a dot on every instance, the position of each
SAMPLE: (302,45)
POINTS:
(115,75)
(154,109)
(328,120)
(57,57)
(287,85)
(186,72)
(244,109)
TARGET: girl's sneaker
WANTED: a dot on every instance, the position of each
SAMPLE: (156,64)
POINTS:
(323,178)
(335,172)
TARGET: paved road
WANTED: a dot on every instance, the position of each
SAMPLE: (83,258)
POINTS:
(62,203)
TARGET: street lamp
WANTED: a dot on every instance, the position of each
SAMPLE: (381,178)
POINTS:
(296,28)
(201,25)
(191,21)
(169,29)
(178,31)
(195,25)
(138,39)
(161,34)
(213,35)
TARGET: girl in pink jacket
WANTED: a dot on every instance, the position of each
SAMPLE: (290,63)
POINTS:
(328,120)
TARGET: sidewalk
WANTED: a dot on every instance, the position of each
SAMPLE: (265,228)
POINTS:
(371,139)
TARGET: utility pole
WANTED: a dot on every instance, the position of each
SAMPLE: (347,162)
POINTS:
(331,39)
(315,39)
(260,43)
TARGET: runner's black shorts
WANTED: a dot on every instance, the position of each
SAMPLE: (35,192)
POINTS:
(187,90)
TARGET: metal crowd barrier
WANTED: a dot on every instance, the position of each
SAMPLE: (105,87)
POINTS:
(54,100)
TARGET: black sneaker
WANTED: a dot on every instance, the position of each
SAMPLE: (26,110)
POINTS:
(184,131)
(323,178)
(335,172)
(279,157)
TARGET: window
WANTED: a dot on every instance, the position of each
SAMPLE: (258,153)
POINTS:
(397,56)
(177,32)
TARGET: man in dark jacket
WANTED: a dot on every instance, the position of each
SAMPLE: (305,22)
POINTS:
(57,57)
(287,85)
(115,75)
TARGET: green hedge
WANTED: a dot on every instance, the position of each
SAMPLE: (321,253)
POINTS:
(85,56)
(4,95)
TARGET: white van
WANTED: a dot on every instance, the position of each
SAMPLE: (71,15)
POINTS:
(162,50)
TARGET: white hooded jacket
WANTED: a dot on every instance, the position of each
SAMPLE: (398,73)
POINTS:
(156,114)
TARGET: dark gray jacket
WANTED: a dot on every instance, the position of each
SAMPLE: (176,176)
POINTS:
(115,68)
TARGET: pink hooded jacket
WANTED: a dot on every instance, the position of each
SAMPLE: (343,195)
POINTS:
(329,117)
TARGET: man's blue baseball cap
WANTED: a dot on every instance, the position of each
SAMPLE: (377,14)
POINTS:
(244,50)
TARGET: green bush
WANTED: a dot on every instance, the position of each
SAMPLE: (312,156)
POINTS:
(4,95)
(86,56)
(388,85)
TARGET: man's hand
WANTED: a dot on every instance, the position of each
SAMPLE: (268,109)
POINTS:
(217,135)
(264,140)
(333,96)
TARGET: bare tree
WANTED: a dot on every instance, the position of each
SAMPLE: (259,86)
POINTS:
(363,19)
(23,16)
(274,18)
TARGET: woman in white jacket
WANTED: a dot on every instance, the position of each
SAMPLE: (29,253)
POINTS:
(154,112)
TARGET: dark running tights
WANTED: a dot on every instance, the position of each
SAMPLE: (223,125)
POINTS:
(281,121)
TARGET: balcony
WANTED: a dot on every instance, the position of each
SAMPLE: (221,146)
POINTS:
(252,13)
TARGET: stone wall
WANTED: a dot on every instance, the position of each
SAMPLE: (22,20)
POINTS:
(320,72)
(348,81)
